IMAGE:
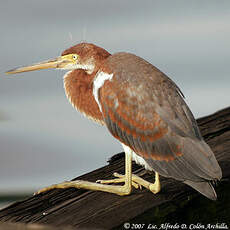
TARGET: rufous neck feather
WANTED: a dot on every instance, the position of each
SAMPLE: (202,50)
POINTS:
(78,88)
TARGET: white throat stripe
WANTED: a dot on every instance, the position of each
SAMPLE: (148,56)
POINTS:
(98,82)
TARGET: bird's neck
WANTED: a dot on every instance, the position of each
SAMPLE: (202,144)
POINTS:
(79,90)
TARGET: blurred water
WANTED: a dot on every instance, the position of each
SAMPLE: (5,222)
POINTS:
(43,140)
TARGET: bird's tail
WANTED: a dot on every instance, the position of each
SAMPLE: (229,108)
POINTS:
(204,187)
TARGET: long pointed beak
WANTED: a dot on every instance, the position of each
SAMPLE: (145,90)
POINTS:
(59,62)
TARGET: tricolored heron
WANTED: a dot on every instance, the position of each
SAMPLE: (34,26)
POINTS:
(144,110)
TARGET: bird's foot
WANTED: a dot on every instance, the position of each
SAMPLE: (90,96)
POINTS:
(116,189)
(120,179)
(137,182)
(80,184)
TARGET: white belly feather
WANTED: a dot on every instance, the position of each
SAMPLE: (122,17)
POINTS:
(139,160)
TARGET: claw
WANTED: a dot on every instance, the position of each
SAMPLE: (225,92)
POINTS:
(118,175)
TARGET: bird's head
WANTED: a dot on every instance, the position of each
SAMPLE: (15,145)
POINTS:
(85,56)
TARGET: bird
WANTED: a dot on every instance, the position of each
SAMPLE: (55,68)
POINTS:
(141,107)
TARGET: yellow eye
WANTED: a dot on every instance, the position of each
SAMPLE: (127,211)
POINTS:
(74,57)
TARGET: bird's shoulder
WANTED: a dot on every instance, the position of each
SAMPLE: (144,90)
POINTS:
(127,67)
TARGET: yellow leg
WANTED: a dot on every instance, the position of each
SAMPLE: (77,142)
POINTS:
(118,180)
(137,182)
(119,190)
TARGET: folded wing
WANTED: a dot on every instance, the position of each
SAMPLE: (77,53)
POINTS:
(145,110)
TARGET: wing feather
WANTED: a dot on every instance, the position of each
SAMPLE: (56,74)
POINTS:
(145,110)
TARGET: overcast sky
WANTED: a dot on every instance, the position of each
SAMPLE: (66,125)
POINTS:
(43,140)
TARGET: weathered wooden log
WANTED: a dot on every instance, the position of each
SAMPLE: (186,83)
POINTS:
(176,203)
(21,226)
